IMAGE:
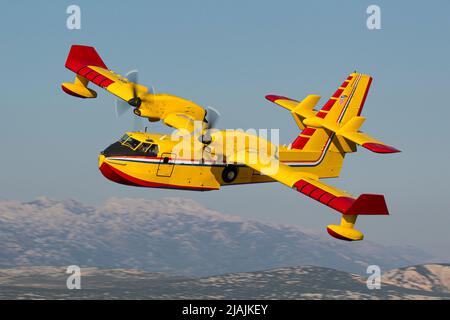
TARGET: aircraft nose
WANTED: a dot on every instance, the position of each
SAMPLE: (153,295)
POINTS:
(115,149)
(101,159)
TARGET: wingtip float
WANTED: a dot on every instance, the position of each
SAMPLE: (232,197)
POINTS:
(149,160)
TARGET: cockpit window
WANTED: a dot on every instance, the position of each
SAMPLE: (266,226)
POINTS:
(124,138)
(132,143)
(143,147)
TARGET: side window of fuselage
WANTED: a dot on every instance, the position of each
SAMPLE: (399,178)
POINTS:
(153,150)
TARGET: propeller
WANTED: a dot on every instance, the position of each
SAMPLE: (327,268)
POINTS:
(211,119)
(136,101)
(122,106)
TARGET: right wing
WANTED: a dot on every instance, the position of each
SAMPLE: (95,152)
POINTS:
(265,161)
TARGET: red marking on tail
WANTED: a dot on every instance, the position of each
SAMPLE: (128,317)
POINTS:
(321,114)
(308,132)
(338,93)
(328,105)
(300,142)
(364,98)
(273,98)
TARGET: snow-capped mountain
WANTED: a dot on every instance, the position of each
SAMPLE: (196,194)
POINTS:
(173,235)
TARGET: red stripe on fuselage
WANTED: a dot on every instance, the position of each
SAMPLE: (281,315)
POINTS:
(118,176)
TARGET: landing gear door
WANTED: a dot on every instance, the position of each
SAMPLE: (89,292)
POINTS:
(166,165)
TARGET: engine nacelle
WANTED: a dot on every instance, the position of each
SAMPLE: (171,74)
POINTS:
(78,90)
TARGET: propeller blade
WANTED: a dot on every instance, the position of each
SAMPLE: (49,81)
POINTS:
(121,107)
(212,117)
(138,124)
(133,77)
(136,101)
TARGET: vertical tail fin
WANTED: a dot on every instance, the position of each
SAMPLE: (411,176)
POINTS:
(346,103)
(333,131)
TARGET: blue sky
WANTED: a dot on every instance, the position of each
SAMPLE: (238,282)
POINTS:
(230,54)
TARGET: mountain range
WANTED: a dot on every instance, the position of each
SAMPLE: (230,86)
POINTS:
(431,281)
(174,235)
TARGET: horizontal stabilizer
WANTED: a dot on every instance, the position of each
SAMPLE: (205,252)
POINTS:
(350,132)
(379,148)
(284,102)
(299,110)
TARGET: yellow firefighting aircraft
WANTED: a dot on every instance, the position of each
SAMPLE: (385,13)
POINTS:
(198,157)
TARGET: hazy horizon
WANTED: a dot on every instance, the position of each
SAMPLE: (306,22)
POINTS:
(229,55)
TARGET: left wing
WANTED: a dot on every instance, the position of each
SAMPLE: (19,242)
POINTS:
(350,207)
(88,66)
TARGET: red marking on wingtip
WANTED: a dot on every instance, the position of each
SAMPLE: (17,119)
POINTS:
(380,148)
(368,204)
(81,56)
